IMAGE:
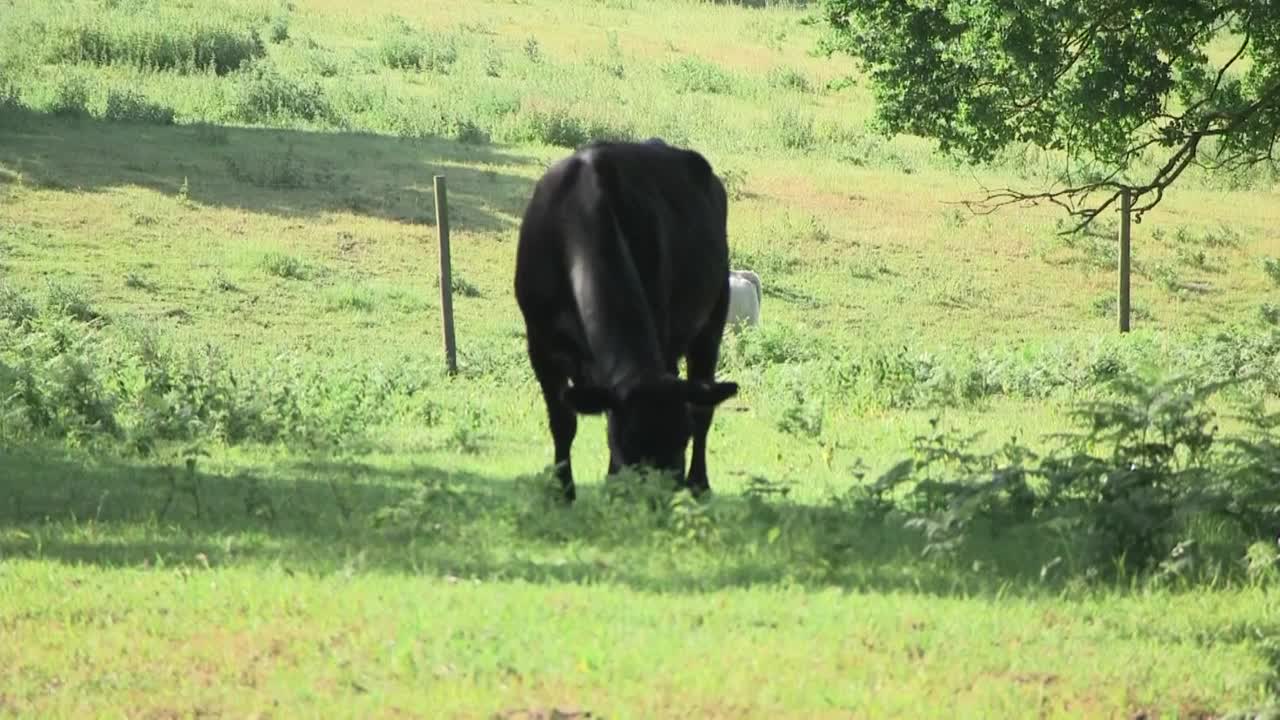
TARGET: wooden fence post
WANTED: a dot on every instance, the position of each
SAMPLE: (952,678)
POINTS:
(1123,300)
(446,274)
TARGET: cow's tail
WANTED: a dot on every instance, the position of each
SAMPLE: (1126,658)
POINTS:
(633,320)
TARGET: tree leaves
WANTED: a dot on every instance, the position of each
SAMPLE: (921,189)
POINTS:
(1118,84)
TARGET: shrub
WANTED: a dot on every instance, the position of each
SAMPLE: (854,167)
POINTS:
(130,106)
(285,266)
(1146,462)
(278,170)
(61,382)
(793,130)
(263,94)
(186,42)
(788,79)
(351,298)
(406,49)
(770,345)
(70,301)
(559,127)
(803,414)
(1271,266)
(16,307)
(71,94)
(691,74)
(278,31)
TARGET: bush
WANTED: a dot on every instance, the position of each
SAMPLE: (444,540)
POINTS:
(690,75)
(262,94)
(1271,267)
(16,307)
(59,381)
(794,130)
(406,49)
(71,95)
(186,42)
(561,128)
(287,267)
(72,301)
(130,106)
(788,79)
(1145,465)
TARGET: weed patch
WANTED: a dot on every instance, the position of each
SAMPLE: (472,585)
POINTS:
(263,94)
(287,267)
(153,38)
(406,49)
(695,75)
(130,106)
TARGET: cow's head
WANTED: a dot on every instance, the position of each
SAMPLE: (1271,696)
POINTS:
(650,424)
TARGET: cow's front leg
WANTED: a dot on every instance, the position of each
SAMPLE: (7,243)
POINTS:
(562,418)
(704,353)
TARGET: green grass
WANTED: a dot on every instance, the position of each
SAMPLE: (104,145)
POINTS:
(360,644)
(228,443)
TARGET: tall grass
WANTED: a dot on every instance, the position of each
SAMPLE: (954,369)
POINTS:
(153,37)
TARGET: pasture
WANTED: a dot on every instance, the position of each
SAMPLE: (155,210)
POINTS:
(235,479)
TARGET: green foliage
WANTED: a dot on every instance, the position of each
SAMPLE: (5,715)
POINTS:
(138,281)
(150,37)
(803,415)
(70,300)
(71,96)
(735,182)
(1269,313)
(130,106)
(560,127)
(1148,464)
(404,48)
(1271,266)
(264,94)
(279,29)
(468,430)
(983,76)
(786,78)
(200,448)
(355,298)
(770,345)
(695,75)
(279,170)
(17,307)
(794,129)
(59,381)
(288,267)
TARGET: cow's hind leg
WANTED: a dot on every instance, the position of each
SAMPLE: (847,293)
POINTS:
(562,418)
(704,353)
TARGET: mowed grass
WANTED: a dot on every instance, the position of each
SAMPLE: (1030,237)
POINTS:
(372,645)
(273,223)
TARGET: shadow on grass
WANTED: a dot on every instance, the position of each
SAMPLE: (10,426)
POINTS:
(323,517)
(292,173)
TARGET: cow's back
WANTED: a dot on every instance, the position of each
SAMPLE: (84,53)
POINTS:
(664,206)
(672,210)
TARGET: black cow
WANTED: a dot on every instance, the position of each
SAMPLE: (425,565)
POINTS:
(622,268)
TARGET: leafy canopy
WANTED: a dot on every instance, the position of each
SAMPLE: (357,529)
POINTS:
(1117,85)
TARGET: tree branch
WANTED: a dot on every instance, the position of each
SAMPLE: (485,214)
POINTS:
(1073,198)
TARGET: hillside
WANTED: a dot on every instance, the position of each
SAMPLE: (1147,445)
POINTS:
(218,272)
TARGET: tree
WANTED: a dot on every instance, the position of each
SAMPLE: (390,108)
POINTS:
(1127,90)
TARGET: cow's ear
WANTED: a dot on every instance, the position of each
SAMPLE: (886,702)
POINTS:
(587,399)
(710,394)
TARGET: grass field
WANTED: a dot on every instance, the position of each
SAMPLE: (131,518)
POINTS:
(236,481)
